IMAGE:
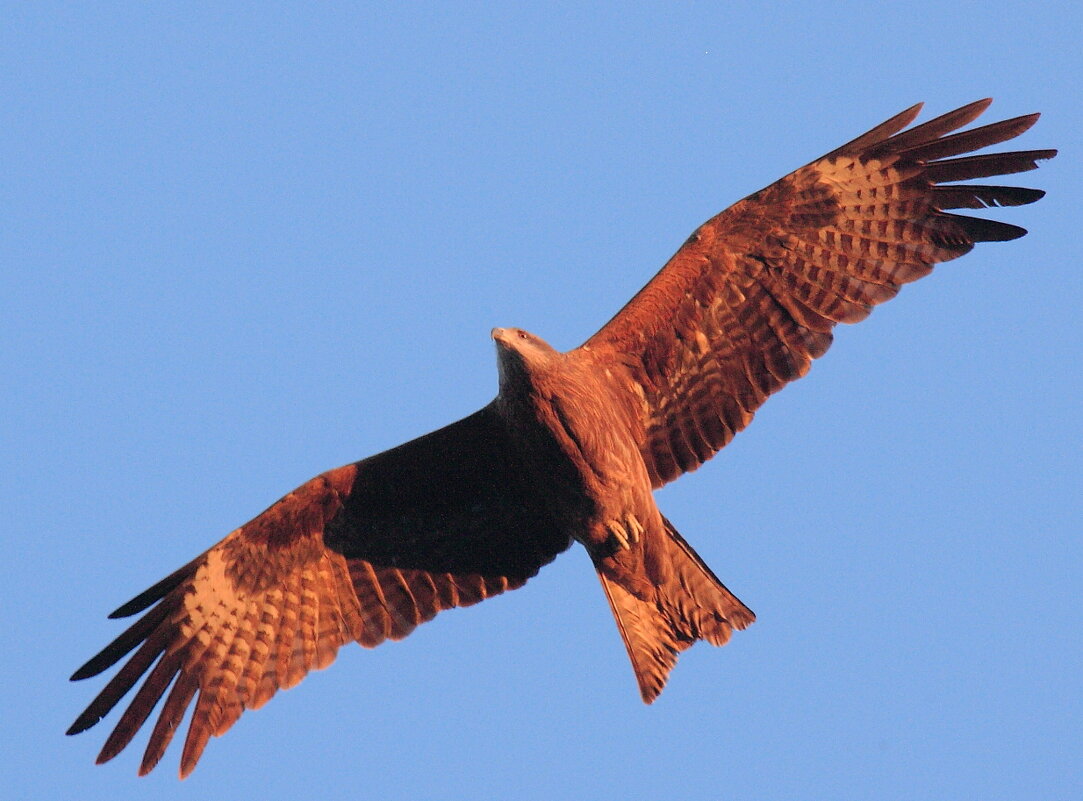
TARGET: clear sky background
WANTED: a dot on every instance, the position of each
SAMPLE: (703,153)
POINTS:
(244,245)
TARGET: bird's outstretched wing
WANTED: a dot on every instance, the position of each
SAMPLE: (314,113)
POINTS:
(752,296)
(365,552)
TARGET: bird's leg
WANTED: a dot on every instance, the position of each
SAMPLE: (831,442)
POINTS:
(624,534)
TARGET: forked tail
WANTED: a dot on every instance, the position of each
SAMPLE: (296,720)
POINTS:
(688,605)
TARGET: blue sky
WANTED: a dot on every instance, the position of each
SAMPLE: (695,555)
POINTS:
(247,244)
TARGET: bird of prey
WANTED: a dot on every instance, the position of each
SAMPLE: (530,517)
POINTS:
(571,448)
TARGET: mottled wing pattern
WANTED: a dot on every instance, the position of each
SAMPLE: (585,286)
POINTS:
(365,552)
(753,295)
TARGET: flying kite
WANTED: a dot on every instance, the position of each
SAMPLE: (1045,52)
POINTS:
(570,449)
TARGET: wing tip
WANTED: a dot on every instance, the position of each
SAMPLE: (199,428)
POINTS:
(1010,232)
(158,591)
(191,754)
(970,111)
(84,672)
(1026,121)
(137,604)
(79,726)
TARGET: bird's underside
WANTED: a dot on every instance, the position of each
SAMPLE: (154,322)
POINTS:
(571,448)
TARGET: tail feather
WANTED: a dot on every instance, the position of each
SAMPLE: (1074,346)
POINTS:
(647,635)
(687,605)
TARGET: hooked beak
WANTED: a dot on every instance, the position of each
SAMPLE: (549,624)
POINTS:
(500,335)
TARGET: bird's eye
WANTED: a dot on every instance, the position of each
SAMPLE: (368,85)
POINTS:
(522,335)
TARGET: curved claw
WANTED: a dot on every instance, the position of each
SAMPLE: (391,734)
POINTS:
(624,534)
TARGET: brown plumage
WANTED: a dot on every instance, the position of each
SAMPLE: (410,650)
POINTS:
(570,449)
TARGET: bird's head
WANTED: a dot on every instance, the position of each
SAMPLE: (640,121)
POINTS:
(520,354)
